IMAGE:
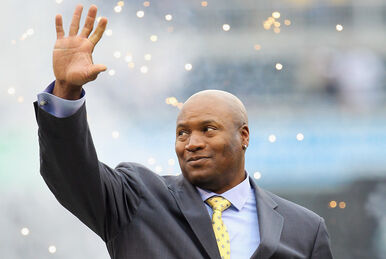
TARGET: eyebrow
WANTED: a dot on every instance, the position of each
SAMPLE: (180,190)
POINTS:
(184,125)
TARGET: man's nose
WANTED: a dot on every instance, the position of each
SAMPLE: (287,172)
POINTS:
(195,142)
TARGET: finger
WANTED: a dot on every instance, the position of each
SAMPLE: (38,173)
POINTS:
(59,26)
(89,23)
(98,32)
(95,70)
(74,27)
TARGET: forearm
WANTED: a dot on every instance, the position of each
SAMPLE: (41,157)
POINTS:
(70,167)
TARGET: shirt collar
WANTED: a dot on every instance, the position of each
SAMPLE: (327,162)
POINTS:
(238,195)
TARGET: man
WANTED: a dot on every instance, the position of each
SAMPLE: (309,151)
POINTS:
(213,210)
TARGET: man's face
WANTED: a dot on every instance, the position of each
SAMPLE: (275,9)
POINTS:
(209,145)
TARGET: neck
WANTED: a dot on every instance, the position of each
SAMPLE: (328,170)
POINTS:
(235,181)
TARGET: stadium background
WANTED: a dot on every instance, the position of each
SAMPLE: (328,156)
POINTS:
(310,72)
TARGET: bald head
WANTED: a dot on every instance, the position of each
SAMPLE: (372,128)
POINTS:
(218,98)
(212,135)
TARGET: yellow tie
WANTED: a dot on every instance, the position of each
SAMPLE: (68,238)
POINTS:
(219,204)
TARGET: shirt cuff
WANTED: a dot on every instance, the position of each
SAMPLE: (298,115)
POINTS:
(57,106)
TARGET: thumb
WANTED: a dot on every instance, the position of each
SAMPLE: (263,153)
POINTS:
(97,68)
(94,70)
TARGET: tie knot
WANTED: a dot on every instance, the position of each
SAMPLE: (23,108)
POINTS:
(218,203)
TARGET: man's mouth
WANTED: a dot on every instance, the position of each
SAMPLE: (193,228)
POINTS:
(196,158)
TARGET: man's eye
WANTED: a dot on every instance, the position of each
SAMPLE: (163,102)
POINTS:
(182,133)
(209,128)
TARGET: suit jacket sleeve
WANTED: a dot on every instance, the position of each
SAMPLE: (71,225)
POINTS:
(322,249)
(101,197)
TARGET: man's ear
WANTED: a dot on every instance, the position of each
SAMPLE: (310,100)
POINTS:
(244,132)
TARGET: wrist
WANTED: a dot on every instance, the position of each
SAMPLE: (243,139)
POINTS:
(67,91)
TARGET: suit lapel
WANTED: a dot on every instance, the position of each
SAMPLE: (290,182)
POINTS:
(195,212)
(270,224)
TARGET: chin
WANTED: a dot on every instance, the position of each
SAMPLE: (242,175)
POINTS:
(205,179)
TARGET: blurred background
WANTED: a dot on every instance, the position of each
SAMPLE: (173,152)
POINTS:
(311,74)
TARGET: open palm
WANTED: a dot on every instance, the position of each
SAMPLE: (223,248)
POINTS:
(72,56)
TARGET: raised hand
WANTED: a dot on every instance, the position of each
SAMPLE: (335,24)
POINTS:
(72,57)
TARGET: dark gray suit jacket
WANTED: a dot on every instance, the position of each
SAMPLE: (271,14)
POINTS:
(140,214)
